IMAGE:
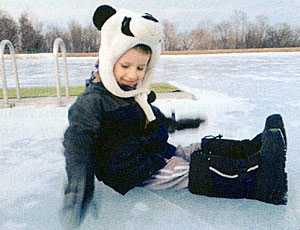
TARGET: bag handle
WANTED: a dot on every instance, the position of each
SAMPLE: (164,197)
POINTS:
(212,137)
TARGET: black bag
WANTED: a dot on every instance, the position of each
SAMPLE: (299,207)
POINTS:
(224,168)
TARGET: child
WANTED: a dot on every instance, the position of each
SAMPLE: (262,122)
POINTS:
(116,134)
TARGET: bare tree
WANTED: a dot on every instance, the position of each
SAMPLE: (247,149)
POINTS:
(185,41)
(297,36)
(285,35)
(8,28)
(39,39)
(280,36)
(76,37)
(262,26)
(27,33)
(170,41)
(202,36)
(256,33)
(223,34)
(53,32)
(251,37)
(239,22)
(91,38)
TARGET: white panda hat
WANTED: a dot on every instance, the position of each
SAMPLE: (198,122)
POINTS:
(120,31)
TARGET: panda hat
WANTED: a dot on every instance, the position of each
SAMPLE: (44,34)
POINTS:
(120,31)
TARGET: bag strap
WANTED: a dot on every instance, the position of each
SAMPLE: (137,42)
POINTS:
(212,137)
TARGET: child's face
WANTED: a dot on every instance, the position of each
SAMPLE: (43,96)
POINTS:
(130,69)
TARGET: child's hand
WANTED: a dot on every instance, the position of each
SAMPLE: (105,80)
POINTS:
(78,196)
(182,124)
(70,216)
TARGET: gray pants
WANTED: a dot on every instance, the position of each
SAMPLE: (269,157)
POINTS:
(175,175)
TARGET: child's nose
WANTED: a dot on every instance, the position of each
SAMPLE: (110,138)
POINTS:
(132,75)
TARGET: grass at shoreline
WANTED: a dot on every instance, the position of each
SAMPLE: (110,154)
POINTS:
(33,92)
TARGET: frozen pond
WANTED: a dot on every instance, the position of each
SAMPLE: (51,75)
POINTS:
(198,69)
(235,92)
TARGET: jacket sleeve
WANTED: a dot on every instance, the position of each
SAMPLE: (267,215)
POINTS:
(79,141)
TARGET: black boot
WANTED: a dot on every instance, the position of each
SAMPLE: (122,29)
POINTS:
(272,122)
(272,178)
(243,169)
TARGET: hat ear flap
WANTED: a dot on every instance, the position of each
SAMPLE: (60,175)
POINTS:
(102,14)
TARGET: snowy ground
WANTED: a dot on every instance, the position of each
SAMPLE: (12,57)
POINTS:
(235,92)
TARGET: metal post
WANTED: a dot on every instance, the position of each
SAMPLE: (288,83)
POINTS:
(4,85)
(59,43)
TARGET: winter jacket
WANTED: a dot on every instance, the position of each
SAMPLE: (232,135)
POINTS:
(109,137)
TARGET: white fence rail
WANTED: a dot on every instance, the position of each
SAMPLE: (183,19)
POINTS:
(3,44)
(58,43)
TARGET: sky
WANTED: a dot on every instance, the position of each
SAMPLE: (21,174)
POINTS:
(185,14)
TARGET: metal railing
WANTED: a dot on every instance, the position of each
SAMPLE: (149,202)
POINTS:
(59,43)
(3,44)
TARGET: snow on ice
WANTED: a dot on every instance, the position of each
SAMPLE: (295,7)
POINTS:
(235,92)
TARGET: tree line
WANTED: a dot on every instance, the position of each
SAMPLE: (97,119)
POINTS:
(27,35)
(237,32)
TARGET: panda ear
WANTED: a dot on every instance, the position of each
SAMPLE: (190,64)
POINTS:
(102,14)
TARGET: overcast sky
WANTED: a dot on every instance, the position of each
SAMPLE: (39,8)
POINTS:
(185,13)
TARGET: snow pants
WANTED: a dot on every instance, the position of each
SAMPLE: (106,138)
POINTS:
(175,175)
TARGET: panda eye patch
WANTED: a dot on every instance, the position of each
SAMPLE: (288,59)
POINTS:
(125,27)
(150,17)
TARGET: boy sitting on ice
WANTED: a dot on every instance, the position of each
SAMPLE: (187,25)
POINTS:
(116,134)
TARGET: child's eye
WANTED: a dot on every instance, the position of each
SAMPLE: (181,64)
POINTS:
(140,68)
(125,66)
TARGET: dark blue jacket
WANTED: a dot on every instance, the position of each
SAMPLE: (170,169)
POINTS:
(109,137)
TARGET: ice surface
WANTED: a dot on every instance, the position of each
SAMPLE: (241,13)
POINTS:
(235,93)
